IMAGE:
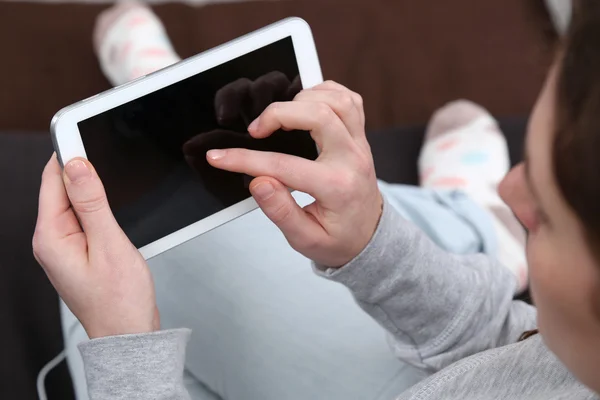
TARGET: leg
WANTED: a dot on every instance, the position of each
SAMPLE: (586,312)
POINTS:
(130,42)
(463,159)
(465,152)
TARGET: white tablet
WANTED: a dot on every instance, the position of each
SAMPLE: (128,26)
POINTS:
(148,138)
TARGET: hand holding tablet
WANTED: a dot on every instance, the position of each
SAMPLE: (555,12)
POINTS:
(99,274)
(340,223)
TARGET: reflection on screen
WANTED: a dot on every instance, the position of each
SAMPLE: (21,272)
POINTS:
(150,152)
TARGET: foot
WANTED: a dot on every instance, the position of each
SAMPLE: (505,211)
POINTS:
(465,150)
(130,41)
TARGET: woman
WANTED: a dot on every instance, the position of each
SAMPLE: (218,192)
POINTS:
(450,314)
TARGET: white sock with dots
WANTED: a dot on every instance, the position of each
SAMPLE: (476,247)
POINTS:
(464,149)
(130,41)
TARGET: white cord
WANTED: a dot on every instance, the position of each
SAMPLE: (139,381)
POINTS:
(41,378)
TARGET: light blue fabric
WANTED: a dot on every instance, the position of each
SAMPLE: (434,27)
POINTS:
(265,327)
(450,218)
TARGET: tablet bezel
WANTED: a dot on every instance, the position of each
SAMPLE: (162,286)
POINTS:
(67,139)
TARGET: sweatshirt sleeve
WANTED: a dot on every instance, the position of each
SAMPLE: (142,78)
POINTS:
(438,307)
(143,366)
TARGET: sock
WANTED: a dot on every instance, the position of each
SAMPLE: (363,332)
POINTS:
(130,41)
(465,150)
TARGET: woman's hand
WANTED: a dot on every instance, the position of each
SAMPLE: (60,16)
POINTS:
(99,274)
(340,223)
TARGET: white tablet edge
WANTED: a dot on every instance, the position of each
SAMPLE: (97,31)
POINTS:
(67,140)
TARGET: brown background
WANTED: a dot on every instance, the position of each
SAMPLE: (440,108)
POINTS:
(405,57)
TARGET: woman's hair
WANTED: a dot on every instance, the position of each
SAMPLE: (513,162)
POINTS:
(576,152)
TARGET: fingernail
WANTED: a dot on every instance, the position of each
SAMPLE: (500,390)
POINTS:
(253,125)
(263,190)
(216,154)
(77,171)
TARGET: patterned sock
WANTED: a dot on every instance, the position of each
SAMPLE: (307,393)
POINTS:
(465,150)
(130,41)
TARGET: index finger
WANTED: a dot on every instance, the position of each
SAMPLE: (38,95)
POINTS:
(294,172)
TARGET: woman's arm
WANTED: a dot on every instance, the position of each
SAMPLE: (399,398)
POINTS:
(142,366)
(439,307)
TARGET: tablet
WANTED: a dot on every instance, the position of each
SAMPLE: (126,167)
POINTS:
(148,138)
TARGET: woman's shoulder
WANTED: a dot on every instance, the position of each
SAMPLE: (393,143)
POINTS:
(517,371)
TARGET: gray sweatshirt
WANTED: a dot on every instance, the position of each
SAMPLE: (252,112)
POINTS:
(452,315)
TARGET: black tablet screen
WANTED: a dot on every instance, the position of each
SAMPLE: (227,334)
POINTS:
(150,152)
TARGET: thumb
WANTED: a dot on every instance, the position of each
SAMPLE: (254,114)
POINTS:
(88,199)
(300,228)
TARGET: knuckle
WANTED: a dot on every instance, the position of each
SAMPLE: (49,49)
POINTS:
(36,244)
(358,100)
(301,95)
(342,183)
(272,109)
(39,245)
(345,102)
(90,205)
(323,114)
(353,181)
(281,212)
(38,256)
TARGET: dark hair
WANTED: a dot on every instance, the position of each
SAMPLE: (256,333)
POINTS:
(576,152)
